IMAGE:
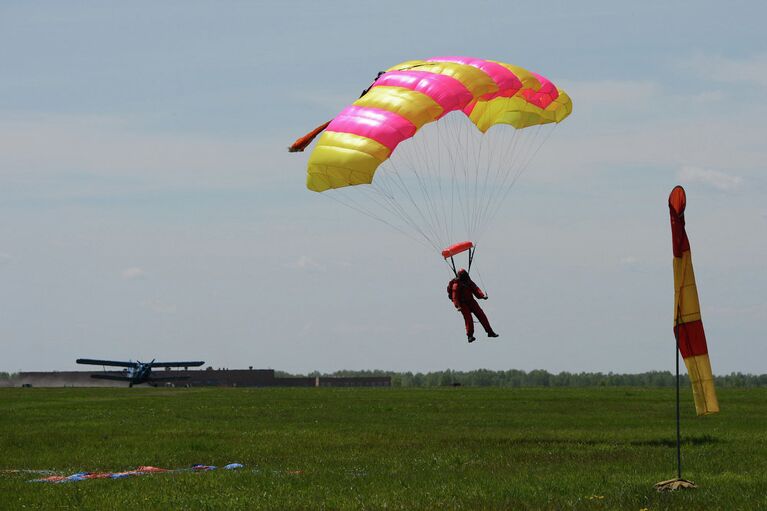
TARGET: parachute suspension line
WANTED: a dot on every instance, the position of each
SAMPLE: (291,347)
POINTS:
(381,192)
(449,136)
(448,182)
(411,163)
(351,203)
(384,189)
(522,168)
(504,164)
(453,138)
(427,166)
(434,175)
(392,171)
(452,263)
(439,177)
(484,163)
(374,217)
(425,216)
(430,183)
(517,162)
(466,194)
(432,188)
(398,210)
(506,154)
(475,174)
(485,168)
(480,157)
(472,251)
(423,178)
(504,159)
(458,162)
(482,281)
(480,171)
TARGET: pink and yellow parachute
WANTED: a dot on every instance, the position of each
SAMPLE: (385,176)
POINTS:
(417,92)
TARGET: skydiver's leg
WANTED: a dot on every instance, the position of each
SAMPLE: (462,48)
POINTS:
(482,317)
(468,320)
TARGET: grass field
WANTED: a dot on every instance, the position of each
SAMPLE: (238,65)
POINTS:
(442,448)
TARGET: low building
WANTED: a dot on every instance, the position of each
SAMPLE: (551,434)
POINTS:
(199,378)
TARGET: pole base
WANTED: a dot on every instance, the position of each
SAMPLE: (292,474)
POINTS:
(675,484)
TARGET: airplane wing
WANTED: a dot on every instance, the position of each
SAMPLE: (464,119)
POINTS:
(193,363)
(111,377)
(115,363)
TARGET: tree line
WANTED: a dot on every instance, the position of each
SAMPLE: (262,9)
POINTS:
(540,378)
(535,378)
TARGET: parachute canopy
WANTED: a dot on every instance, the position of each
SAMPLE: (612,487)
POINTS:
(434,146)
(414,93)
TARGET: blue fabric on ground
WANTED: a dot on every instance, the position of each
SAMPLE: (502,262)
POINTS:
(83,476)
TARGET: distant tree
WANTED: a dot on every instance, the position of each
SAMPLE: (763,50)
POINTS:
(537,378)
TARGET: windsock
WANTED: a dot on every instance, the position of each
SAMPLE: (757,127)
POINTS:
(688,327)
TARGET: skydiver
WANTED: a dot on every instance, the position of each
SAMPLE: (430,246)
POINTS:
(461,291)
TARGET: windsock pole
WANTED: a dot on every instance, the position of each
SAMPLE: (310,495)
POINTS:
(678,427)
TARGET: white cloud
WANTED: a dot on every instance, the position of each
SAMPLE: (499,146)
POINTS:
(754,311)
(707,97)
(306,263)
(627,124)
(629,260)
(108,146)
(728,70)
(5,258)
(330,101)
(576,151)
(610,92)
(712,178)
(633,95)
(363,328)
(133,273)
(159,306)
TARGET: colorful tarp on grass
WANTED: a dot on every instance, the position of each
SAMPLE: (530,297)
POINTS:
(139,471)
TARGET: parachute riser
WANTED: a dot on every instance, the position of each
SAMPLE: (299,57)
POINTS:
(471,259)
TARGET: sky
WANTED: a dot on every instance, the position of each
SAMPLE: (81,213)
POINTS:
(149,208)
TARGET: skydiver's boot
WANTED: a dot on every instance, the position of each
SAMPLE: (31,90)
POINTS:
(492,334)
(471,338)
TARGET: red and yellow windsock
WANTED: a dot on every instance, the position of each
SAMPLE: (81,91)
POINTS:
(688,327)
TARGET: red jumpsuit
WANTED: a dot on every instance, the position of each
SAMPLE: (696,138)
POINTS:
(462,294)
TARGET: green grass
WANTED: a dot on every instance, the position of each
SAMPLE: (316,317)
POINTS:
(443,448)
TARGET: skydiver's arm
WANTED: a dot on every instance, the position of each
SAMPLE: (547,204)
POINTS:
(477,292)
